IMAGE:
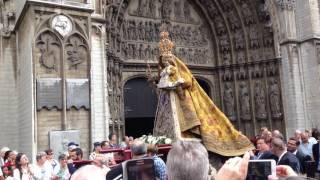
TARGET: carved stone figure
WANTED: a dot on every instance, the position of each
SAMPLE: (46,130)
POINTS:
(48,44)
(228,100)
(260,101)
(166,9)
(221,29)
(147,32)
(187,12)
(134,51)
(274,95)
(254,38)
(141,32)
(124,50)
(244,102)
(247,13)
(267,37)
(212,10)
(177,11)
(224,43)
(226,5)
(226,58)
(76,51)
(141,53)
(124,30)
(151,32)
(140,11)
(148,52)
(241,57)
(234,20)
(239,41)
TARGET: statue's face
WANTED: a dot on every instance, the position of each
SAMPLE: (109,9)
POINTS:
(166,60)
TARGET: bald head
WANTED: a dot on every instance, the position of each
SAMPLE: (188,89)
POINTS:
(89,172)
(138,148)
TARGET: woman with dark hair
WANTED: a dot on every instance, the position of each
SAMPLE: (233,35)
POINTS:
(50,158)
(9,159)
(23,170)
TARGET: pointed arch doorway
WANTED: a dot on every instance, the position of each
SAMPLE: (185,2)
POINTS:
(140,103)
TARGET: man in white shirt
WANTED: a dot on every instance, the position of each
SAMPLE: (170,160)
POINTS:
(42,170)
(305,146)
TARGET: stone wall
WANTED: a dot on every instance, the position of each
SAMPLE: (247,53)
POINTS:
(8,93)
(26,110)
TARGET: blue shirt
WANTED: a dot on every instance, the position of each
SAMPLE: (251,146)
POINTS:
(160,167)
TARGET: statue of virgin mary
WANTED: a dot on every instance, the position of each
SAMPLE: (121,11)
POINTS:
(185,111)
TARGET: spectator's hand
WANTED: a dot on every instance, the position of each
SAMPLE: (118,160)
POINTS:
(234,168)
(283,171)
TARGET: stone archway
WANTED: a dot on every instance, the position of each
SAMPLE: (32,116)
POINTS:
(231,41)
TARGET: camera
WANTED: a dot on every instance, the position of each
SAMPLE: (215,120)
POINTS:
(261,169)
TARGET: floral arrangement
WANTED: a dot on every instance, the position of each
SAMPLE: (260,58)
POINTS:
(155,139)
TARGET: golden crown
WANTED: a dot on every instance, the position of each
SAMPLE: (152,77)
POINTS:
(165,44)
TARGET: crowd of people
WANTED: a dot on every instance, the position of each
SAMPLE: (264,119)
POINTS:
(187,159)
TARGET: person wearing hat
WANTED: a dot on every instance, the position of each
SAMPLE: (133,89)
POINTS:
(71,146)
(96,150)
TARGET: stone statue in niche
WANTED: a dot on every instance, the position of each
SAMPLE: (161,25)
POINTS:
(150,8)
(241,57)
(244,101)
(224,43)
(130,52)
(226,58)
(76,51)
(228,100)
(203,32)
(157,31)
(188,35)
(141,32)
(148,52)
(156,52)
(260,101)
(247,13)
(141,53)
(239,41)
(212,11)
(177,11)
(151,32)
(147,32)
(124,30)
(140,9)
(254,38)
(242,74)
(166,9)
(118,42)
(267,37)
(221,29)
(274,96)
(48,46)
(234,20)
(226,5)
(227,75)
(124,50)
(134,51)
(187,12)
